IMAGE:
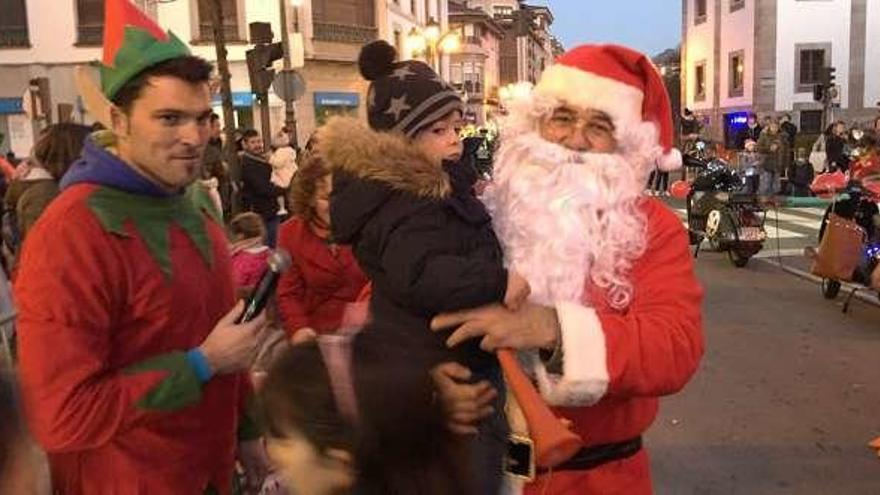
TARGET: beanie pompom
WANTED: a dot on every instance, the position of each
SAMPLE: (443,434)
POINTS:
(376,60)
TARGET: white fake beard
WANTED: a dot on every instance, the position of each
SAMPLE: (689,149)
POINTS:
(565,218)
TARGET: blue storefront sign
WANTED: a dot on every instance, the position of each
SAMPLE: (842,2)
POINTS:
(733,124)
(335,99)
(240,99)
(10,106)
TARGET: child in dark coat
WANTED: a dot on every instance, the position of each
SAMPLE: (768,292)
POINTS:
(406,205)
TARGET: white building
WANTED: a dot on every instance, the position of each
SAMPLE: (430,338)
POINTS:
(48,38)
(765,56)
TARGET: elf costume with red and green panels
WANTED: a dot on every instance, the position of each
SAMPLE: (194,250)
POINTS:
(119,283)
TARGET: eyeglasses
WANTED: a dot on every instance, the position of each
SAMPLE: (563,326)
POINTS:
(594,125)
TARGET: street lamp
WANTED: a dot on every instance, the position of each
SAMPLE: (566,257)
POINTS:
(431,42)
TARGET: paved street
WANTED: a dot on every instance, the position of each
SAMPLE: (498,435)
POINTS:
(789,391)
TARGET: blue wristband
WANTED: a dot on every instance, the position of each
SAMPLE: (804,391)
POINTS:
(199,364)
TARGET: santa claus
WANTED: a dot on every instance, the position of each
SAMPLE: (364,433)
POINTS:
(615,305)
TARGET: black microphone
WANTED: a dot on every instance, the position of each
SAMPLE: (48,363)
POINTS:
(278,262)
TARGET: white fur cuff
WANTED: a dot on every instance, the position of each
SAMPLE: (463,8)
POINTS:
(670,161)
(584,379)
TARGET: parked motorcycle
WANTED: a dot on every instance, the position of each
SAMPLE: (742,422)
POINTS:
(854,214)
(720,211)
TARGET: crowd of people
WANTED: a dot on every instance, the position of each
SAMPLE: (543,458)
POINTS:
(774,158)
(375,370)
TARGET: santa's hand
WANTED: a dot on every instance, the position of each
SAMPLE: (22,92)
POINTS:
(531,327)
(518,290)
(464,404)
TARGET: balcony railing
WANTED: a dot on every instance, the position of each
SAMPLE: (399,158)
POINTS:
(14,36)
(90,35)
(344,33)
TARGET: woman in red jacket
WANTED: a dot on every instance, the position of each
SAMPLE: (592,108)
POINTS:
(323,277)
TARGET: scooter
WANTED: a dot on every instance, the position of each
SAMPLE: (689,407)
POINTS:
(856,197)
(720,211)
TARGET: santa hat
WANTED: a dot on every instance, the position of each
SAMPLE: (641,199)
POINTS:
(132,43)
(620,82)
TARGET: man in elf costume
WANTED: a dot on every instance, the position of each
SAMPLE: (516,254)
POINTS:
(615,305)
(132,369)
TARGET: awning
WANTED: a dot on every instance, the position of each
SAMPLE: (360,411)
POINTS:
(10,106)
(240,99)
(332,99)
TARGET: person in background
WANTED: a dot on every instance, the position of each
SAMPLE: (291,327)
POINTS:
(800,175)
(55,151)
(258,193)
(773,146)
(215,167)
(284,165)
(790,130)
(750,165)
(835,147)
(248,250)
(323,277)
(751,131)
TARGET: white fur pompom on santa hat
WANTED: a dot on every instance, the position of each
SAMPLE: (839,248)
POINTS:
(620,82)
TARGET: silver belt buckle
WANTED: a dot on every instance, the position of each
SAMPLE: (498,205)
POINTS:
(519,461)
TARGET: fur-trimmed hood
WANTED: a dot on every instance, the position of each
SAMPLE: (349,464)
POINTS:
(371,169)
(349,145)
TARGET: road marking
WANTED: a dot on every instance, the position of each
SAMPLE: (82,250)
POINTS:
(794,219)
(773,253)
(773,232)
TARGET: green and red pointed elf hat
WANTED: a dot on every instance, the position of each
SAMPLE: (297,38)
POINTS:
(133,42)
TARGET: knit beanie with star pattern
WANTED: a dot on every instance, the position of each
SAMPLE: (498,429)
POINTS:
(404,96)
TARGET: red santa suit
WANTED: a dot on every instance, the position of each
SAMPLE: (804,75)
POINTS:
(614,264)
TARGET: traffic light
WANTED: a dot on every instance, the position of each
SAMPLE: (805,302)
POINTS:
(828,76)
(818,92)
(259,62)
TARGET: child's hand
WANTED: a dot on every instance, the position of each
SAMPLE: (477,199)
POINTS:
(464,404)
(518,291)
(303,335)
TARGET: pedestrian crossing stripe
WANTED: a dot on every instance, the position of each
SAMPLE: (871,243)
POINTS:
(772,232)
(802,221)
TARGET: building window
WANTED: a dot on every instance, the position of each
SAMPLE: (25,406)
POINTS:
(89,22)
(231,20)
(737,5)
(700,82)
(344,12)
(502,10)
(810,58)
(700,11)
(428,11)
(811,121)
(455,76)
(13,24)
(736,74)
(412,8)
(398,41)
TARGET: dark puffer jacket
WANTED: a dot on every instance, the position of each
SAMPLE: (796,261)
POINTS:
(424,240)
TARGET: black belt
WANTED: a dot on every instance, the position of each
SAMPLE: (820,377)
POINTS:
(597,455)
